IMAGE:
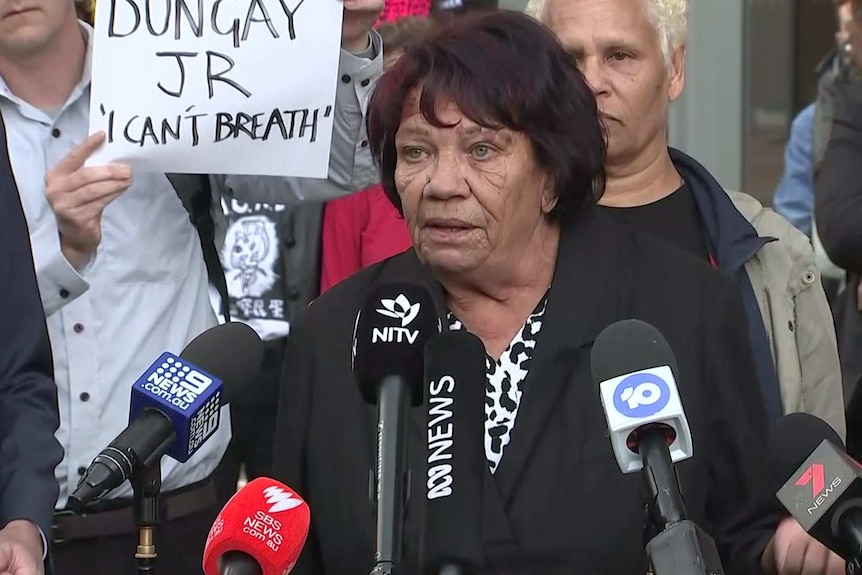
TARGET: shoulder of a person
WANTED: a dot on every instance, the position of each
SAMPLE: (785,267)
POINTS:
(792,250)
(346,297)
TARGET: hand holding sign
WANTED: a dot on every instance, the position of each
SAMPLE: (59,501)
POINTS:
(359,18)
(78,195)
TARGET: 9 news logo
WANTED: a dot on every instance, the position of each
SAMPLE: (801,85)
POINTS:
(641,395)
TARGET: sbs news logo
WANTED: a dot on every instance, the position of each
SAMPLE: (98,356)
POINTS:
(641,395)
(279,499)
(405,312)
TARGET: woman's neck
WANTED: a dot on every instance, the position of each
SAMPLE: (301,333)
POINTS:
(648,179)
(494,302)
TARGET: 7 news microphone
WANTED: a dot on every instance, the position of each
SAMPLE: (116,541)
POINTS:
(175,407)
(391,330)
(260,531)
(824,492)
(635,369)
(452,522)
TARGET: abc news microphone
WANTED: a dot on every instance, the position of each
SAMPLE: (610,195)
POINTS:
(175,407)
(260,531)
(390,333)
(824,489)
(635,369)
(452,521)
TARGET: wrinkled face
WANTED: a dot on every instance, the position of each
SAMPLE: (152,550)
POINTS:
(28,27)
(471,195)
(617,48)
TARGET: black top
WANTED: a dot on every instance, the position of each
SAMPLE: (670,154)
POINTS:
(558,502)
(674,219)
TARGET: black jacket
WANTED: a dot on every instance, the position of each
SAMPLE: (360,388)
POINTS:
(561,501)
(29,415)
(838,213)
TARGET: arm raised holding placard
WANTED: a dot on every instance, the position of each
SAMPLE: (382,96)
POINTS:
(350,165)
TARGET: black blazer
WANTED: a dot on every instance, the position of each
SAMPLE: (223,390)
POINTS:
(29,415)
(560,503)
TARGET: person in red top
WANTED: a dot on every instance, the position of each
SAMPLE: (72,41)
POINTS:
(365,228)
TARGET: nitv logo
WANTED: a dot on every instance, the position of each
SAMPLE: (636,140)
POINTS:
(399,308)
(641,395)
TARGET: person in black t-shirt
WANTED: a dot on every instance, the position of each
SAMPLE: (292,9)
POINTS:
(633,56)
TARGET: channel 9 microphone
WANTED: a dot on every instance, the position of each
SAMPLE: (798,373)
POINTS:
(260,531)
(389,337)
(824,489)
(175,407)
(452,522)
(635,370)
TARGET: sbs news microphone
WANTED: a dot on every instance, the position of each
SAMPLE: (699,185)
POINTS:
(260,531)
(824,492)
(635,369)
(175,407)
(452,522)
(389,337)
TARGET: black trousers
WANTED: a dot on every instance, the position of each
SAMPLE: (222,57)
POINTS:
(253,422)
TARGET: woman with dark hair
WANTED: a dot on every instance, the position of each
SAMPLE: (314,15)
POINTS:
(490,145)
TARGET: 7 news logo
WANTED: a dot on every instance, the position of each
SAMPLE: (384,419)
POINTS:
(815,474)
(405,312)
(641,395)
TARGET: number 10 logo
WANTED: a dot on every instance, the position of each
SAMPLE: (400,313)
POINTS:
(641,395)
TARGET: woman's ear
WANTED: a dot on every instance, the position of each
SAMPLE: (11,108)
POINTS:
(549,195)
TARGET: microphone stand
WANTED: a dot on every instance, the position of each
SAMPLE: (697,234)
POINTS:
(680,547)
(146,484)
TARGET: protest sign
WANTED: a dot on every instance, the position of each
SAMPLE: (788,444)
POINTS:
(216,86)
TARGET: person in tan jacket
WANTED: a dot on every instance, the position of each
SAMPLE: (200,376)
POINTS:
(634,59)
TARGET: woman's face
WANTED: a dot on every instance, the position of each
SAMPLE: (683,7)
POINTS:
(472,196)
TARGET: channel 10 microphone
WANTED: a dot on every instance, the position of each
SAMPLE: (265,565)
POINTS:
(635,369)
(175,407)
(824,492)
(260,531)
(452,521)
(392,328)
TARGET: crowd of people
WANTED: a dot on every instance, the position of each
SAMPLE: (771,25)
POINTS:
(517,166)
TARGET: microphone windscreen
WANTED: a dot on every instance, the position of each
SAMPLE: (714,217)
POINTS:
(267,521)
(628,346)
(793,438)
(233,352)
(392,327)
(455,379)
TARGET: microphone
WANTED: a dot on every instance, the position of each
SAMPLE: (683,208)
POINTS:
(260,531)
(452,522)
(389,338)
(824,492)
(175,407)
(635,369)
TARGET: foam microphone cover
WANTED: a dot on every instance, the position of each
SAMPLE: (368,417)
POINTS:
(455,376)
(628,346)
(232,351)
(792,439)
(265,520)
(392,327)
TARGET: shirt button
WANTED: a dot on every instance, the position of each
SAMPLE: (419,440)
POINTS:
(55,132)
(345,79)
(82,470)
(64,293)
(365,82)
(364,143)
(289,243)
(85,396)
(78,327)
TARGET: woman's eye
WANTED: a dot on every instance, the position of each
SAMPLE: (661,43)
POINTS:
(481,150)
(413,153)
(619,56)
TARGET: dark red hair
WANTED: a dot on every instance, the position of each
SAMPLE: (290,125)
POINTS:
(502,70)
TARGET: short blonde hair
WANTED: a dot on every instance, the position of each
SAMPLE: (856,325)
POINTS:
(669,18)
